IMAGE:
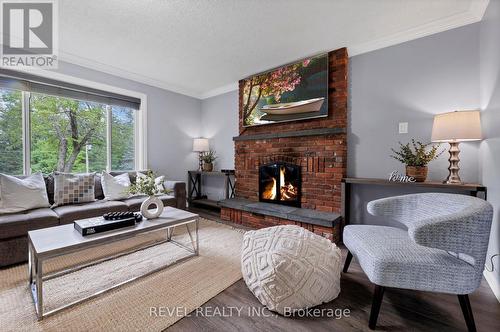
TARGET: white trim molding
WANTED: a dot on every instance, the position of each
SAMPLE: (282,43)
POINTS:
(219,91)
(123,73)
(473,15)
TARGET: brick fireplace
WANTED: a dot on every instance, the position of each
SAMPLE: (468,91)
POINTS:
(317,146)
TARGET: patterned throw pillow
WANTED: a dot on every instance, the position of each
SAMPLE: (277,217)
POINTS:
(73,188)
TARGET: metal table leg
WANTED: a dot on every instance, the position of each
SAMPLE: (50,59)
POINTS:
(39,288)
(36,282)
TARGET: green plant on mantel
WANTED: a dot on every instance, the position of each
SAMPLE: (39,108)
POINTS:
(144,185)
(209,157)
(417,154)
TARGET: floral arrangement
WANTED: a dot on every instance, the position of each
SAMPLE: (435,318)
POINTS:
(209,157)
(417,154)
(145,185)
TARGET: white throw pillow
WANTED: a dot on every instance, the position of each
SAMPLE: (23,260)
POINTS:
(18,195)
(115,187)
(158,182)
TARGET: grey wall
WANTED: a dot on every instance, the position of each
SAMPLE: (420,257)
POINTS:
(490,105)
(219,118)
(173,120)
(409,82)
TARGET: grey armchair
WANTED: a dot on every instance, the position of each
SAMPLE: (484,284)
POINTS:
(444,249)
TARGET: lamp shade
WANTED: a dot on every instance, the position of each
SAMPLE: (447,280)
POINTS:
(458,126)
(200,145)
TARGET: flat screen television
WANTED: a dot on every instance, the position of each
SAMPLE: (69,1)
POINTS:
(291,92)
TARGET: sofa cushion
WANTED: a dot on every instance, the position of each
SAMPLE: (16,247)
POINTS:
(72,188)
(13,250)
(98,192)
(69,213)
(49,183)
(134,203)
(132,174)
(18,224)
(115,188)
(18,195)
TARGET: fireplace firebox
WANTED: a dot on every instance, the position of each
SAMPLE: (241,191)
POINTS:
(280,183)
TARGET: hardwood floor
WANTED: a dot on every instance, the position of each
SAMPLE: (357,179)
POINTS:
(402,310)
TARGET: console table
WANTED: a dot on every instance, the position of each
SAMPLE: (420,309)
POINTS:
(194,187)
(473,189)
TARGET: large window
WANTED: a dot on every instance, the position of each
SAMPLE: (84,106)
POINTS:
(11,132)
(122,138)
(67,135)
(44,132)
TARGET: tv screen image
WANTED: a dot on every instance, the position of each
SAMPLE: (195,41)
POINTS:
(292,92)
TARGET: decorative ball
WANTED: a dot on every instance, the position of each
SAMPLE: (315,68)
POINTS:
(289,268)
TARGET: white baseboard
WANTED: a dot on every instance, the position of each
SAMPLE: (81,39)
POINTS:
(495,287)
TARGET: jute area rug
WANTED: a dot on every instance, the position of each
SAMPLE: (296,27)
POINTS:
(139,305)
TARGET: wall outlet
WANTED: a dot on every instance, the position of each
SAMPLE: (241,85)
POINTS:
(403,127)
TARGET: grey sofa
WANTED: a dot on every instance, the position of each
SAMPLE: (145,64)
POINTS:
(14,227)
(444,249)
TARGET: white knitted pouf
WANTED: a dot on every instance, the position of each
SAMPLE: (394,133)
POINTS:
(289,268)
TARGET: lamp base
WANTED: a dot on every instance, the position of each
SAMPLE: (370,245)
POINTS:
(200,167)
(453,177)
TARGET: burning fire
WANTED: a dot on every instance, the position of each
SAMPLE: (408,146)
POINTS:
(287,190)
(270,191)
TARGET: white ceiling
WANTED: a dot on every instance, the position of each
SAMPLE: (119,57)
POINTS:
(203,47)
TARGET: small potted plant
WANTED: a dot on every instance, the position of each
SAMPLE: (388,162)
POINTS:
(416,157)
(147,186)
(208,161)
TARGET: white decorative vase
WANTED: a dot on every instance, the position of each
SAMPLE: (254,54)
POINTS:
(151,214)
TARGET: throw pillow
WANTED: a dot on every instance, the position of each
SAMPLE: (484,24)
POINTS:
(73,188)
(18,195)
(158,182)
(115,187)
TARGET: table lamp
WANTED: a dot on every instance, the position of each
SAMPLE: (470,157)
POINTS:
(200,145)
(453,128)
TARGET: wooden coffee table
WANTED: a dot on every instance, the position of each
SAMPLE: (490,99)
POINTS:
(62,240)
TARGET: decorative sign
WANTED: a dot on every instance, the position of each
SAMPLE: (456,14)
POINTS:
(396,177)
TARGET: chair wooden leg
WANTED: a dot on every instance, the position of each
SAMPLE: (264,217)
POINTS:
(348,260)
(378,295)
(467,311)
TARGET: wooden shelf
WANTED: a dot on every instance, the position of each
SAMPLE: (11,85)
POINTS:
(205,202)
(214,173)
(195,194)
(427,184)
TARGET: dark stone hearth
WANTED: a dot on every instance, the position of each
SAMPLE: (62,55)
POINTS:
(308,216)
(297,133)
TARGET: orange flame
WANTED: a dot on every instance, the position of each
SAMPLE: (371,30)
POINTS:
(288,191)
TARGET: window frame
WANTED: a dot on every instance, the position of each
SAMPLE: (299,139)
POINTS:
(140,121)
